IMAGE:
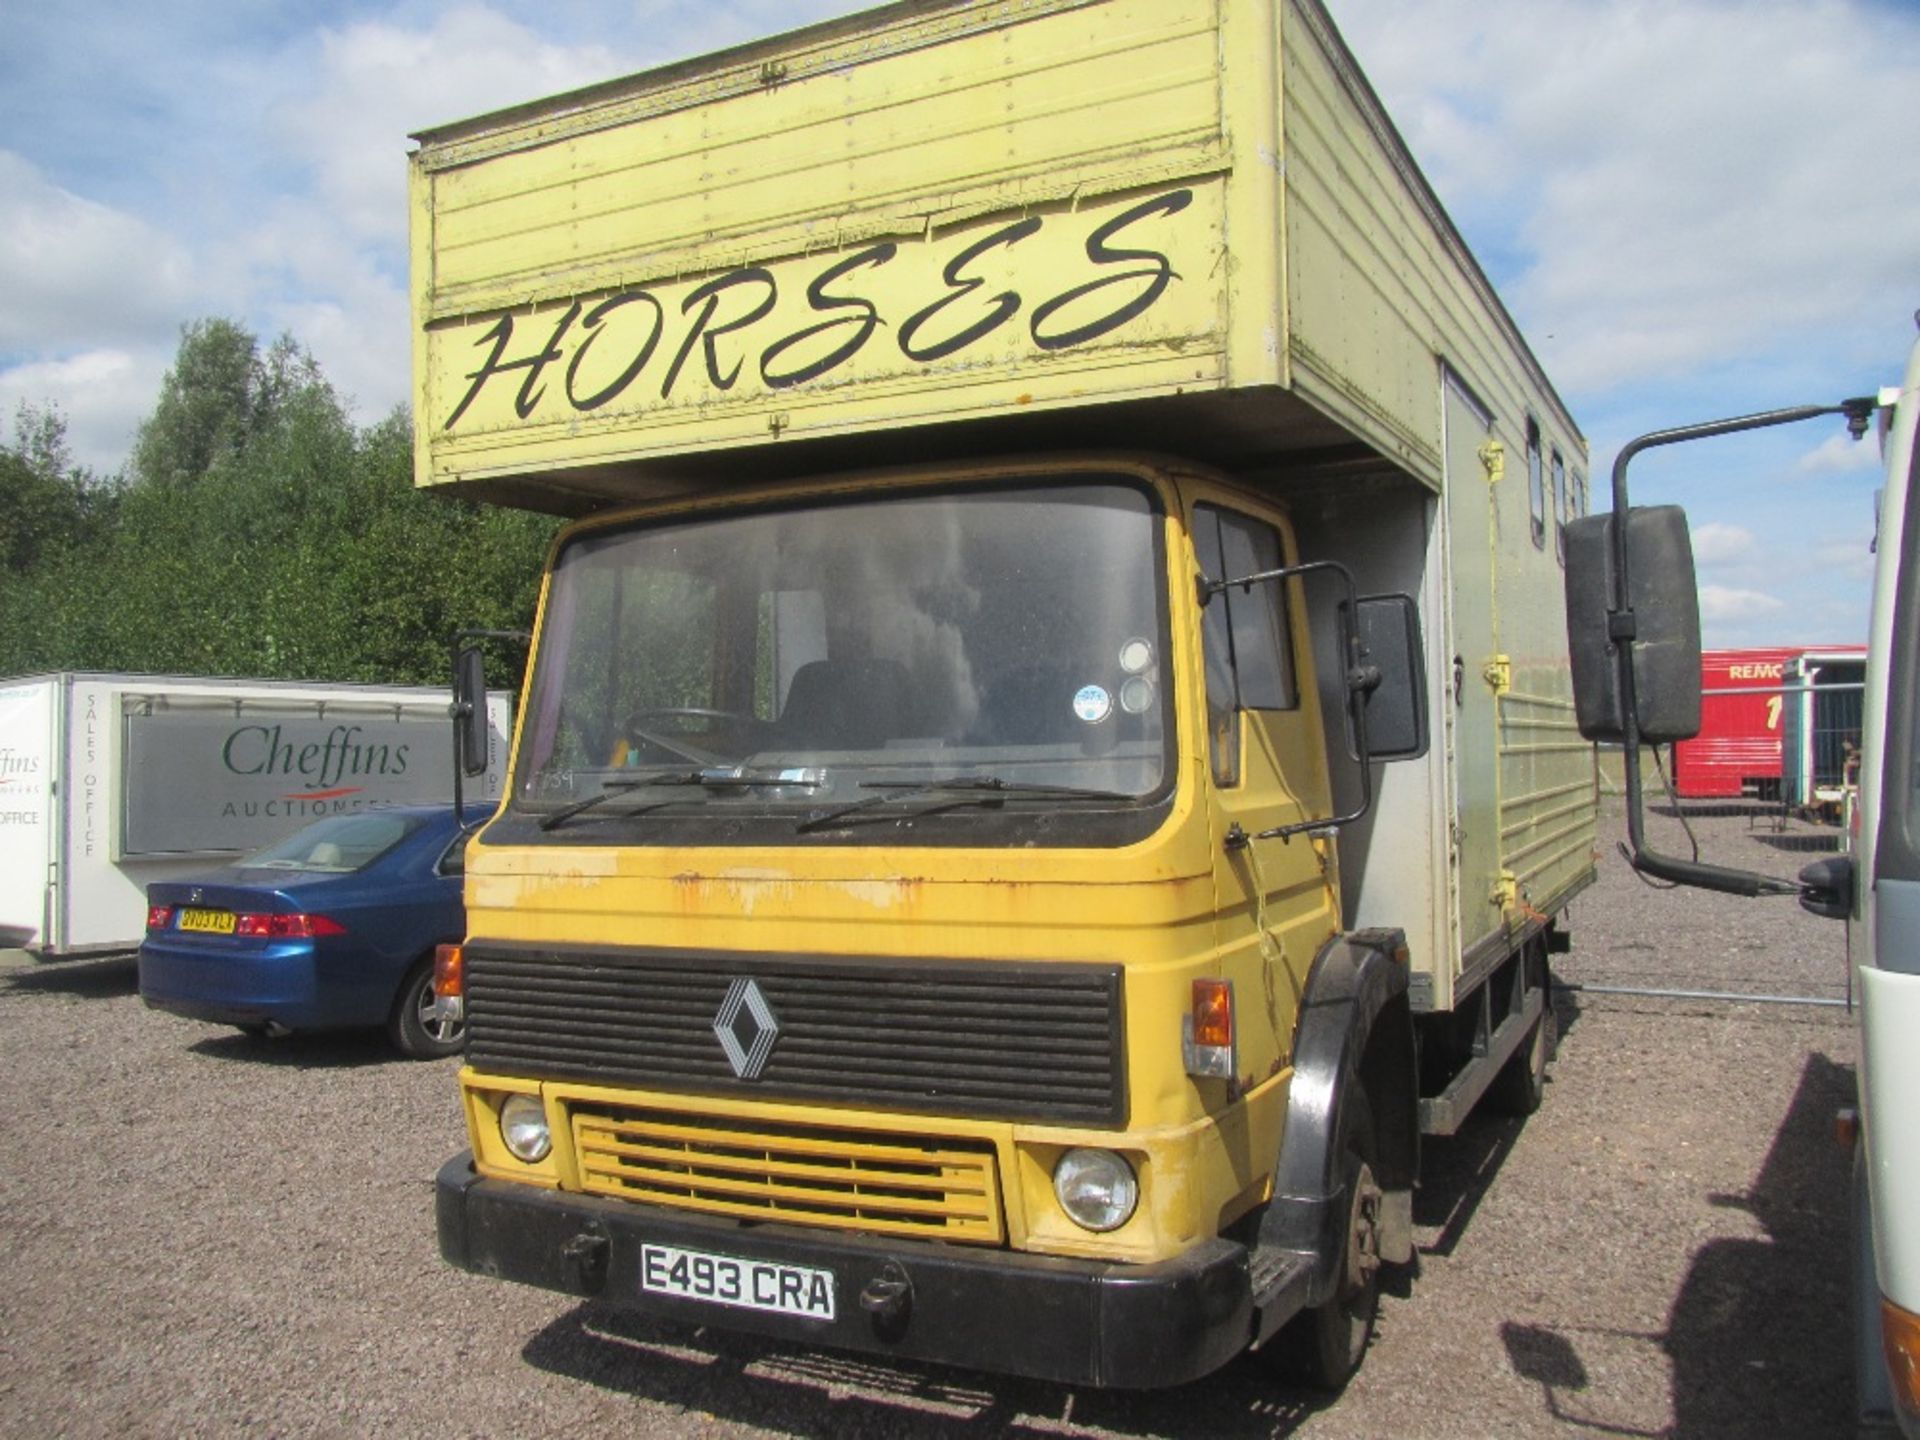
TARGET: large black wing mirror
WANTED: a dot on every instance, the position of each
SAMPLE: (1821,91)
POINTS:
(1656,632)
(1387,628)
(1633,634)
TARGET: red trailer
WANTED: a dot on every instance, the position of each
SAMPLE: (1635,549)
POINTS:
(1737,751)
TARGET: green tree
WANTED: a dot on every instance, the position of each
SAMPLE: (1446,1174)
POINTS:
(221,396)
(260,533)
(47,503)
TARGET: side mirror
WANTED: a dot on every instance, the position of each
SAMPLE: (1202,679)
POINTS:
(1388,628)
(471,731)
(1654,627)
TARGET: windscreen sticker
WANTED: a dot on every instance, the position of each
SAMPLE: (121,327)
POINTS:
(1092,703)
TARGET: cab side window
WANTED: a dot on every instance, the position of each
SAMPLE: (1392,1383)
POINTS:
(1247,641)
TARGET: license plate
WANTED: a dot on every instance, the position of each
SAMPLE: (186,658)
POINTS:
(748,1284)
(210,922)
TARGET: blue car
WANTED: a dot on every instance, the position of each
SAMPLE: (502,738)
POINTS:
(335,926)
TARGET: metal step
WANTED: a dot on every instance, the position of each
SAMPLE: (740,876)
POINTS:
(1278,1279)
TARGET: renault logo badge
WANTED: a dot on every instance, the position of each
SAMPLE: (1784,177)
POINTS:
(746,1029)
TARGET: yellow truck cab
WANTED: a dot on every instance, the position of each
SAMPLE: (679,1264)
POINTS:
(1047,759)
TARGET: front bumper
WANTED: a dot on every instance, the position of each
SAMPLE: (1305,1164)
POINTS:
(1079,1322)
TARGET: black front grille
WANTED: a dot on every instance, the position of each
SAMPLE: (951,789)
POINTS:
(987,1040)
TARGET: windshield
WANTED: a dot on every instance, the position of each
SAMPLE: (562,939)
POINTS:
(787,662)
(338,845)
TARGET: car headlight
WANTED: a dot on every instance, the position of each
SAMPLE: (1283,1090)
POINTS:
(1096,1188)
(523,1126)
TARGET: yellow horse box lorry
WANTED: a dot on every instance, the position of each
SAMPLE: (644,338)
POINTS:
(1047,761)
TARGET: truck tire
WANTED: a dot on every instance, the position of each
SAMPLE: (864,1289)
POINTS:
(412,1028)
(1522,1082)
(1321,1347)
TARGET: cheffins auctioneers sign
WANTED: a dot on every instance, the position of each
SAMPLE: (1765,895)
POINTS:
(212,782)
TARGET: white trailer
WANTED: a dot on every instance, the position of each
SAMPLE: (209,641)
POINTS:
(111,782)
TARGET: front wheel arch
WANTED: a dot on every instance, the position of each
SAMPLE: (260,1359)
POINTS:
(1355,1031)
(1354,1036)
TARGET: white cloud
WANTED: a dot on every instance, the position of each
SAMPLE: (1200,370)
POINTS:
(1838,455)
(75,272)
(1688,185)
(1723,602)
(378,81)
(1851,557)
(1716,543)
(102,395)
(361,348)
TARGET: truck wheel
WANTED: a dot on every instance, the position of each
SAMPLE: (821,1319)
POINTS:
(1321,1347)
(413,1027)
(1522,1082)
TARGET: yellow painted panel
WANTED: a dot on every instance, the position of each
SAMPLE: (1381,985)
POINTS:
(1048,306)
(781,243)
(1380,286)
(820,1176)
(1014,115)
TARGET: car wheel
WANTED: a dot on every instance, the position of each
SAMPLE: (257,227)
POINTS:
(414,1028)
(1321,1347)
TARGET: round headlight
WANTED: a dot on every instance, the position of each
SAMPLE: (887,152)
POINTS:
(1096,1188)
(523,1125)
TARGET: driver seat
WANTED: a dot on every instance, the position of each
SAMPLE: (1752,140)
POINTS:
(844,705)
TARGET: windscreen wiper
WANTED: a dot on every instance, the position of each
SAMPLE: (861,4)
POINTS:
(969,790)
(705,779)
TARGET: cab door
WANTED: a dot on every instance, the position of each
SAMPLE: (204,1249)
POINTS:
(1268,768)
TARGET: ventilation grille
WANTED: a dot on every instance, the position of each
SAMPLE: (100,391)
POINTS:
(844,1179)
(979,1040)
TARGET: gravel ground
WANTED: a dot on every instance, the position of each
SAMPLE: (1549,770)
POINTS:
(212,1235)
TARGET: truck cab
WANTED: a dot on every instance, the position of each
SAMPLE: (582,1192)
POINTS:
(881,861)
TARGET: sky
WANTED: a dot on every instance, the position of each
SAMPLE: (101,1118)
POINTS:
(1693,208)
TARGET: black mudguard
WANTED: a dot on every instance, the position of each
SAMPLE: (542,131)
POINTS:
(1355,1030)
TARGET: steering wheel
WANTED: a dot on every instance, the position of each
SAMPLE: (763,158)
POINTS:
(636,728)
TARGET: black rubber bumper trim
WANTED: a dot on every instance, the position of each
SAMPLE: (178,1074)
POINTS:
(1078,1322)
(211,1012)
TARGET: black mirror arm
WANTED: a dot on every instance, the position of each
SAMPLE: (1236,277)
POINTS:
(1622,626)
